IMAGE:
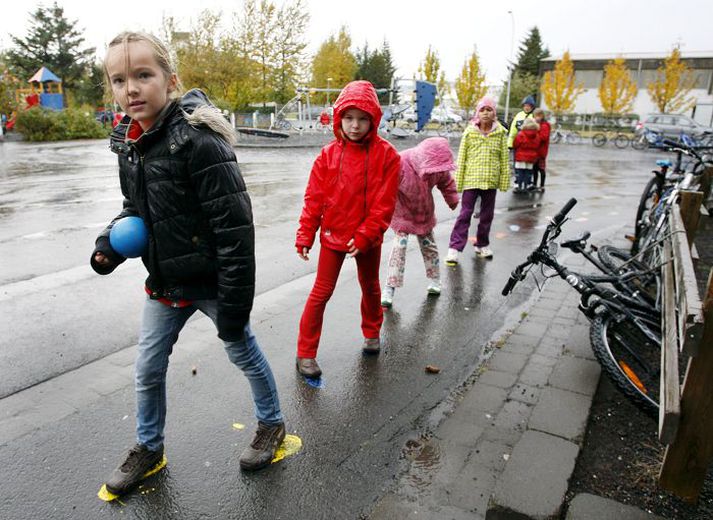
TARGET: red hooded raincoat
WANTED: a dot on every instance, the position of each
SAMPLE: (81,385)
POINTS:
(352,188)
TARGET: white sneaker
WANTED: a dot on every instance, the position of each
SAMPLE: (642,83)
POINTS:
(434,287)
(387,296)
(484,252)
(452,256)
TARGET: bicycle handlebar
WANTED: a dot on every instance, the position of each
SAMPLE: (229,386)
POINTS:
(559,217)
(517,273)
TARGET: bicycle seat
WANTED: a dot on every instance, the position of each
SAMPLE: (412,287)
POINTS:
(664,162)
(578,242)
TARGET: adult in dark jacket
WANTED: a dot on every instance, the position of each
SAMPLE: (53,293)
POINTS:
(179,173)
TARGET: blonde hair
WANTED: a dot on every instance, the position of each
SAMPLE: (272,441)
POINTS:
(207,115)
(160,51)
(539,112)
(530,124)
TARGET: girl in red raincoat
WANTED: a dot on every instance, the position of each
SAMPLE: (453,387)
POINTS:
(350,198)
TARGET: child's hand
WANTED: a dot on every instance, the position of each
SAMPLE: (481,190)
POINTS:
(303,253)
(101,259)
(353,251)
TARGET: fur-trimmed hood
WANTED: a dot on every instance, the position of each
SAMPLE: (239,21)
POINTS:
(193,108)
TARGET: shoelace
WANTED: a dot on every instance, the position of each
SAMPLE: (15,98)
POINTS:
(133,458)
(263,437)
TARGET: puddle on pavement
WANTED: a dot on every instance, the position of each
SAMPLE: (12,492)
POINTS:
(425,456)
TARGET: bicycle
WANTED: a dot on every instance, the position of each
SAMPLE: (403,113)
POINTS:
(619,139)
(661,192)
(565,136)
(625,332)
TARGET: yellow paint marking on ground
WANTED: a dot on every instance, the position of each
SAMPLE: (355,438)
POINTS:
(107,496)
(290,446)
(238,426)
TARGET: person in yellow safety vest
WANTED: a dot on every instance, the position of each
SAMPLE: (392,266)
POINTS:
(528,105)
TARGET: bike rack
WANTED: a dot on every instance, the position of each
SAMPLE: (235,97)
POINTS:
(685,421)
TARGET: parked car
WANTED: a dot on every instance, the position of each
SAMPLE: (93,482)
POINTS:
(438,115)
(442,114)
(672,125)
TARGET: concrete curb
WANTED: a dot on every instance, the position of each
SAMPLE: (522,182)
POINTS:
(510,446)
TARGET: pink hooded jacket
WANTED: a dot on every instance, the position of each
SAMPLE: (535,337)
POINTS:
(427,165)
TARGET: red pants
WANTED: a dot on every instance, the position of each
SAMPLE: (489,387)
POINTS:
(330,263)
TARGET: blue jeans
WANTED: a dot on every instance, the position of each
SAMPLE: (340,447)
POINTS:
(159,331)
(523,177)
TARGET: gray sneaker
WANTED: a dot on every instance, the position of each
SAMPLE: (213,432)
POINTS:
(263,447)
(139,461)
(371,346)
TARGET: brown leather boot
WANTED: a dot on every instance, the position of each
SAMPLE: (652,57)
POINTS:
(308,367)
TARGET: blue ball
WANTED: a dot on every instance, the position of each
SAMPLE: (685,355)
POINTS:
(129,237)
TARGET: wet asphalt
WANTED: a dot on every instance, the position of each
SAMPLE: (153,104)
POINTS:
(58,315)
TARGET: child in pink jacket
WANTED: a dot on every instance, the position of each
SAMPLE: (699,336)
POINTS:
(427,165)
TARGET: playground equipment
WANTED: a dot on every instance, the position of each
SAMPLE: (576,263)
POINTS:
(45,90)
(421,95)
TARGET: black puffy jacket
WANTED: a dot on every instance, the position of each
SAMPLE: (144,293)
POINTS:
(183,180)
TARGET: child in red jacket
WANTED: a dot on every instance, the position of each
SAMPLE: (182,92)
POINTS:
(350,197)
(539,115)
(527,148)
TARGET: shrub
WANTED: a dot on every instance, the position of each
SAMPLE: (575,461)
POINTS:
(39,124)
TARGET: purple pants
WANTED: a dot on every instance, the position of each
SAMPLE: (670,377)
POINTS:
(459,235)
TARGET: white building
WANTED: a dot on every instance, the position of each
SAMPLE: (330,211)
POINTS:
(589,70)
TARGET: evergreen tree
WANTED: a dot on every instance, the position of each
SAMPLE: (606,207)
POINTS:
(376,66)
(522,85)
(52,41)
(530,53)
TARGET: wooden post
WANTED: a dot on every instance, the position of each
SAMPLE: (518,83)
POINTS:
(686,460)
(691,212)
(670,391)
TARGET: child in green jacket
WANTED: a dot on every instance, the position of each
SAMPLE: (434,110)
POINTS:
(482,169)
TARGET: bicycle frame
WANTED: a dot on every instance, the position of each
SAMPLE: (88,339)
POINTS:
(595,294)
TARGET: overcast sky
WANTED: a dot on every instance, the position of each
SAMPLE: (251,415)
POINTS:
(453,28)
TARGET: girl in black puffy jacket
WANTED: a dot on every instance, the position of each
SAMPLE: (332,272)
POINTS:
(179,174)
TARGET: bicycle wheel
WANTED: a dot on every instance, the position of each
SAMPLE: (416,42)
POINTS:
(621,141)
(599,139)
(574,137)
(629,358)
(555,137)
(649,198)
(639,143)
(619,261)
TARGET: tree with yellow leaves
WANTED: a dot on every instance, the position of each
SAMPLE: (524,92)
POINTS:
(617,90)
(559,88)
(430,70)
(673,84)
(334,63)
(470,85)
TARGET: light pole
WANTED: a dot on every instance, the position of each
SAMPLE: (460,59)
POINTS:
(512,44)
(329,80)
